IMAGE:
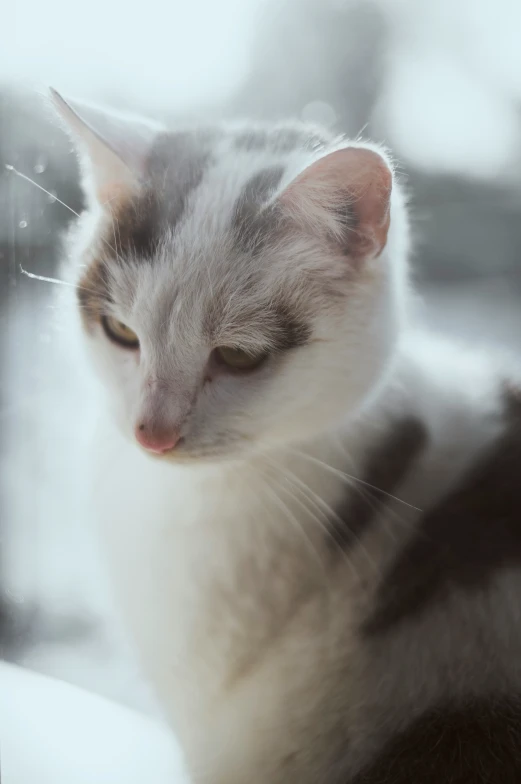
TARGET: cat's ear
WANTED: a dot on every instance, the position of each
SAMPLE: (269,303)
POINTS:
(115,146)
(345,194)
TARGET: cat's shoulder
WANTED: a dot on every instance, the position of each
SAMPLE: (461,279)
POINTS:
(471,530)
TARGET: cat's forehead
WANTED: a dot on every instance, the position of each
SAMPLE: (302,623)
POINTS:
(222,299)
(199,236)
(202,184)
(204,315)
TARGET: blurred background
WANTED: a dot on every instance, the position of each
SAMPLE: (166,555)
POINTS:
(439,82)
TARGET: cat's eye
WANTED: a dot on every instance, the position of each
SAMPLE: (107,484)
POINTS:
(119,333)
(238,359)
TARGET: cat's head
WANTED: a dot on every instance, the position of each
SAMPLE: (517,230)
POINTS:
(240,287)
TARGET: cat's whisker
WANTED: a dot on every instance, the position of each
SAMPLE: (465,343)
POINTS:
(330,514)
(377,508)
(53,196)
(343,474)
(291,517)
(294,479)
(318,520)
(307,510)
(45,278)
(55,281)
(365,494)
(358,136)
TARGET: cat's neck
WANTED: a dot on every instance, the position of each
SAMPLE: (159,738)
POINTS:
(452,391)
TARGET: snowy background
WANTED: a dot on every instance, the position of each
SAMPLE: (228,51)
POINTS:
(440,82)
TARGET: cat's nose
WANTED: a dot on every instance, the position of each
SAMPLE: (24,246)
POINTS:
(156,440)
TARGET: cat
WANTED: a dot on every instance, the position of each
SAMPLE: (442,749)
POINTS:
(310,510)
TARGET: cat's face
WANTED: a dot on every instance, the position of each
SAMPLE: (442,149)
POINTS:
(239,290)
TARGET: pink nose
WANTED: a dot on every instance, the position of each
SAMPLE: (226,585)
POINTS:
(156,440)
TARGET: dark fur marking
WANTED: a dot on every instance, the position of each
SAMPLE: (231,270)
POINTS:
(93,291)
(291,332)
(251,223)
(478,743)
(174,170)
(385,469)
(464,540)
(139,226)
(277,321)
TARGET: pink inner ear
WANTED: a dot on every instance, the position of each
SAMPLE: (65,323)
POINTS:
(355,177)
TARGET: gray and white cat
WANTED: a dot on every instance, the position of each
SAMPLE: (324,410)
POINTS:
(312,512)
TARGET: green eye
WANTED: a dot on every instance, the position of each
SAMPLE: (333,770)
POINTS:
(119,333)
(238,359)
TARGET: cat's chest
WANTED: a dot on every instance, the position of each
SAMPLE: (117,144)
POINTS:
(207,577)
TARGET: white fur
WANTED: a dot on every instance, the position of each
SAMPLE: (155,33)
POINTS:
(207,560)
(220,566)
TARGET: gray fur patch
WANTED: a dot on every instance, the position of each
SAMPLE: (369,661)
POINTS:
(252,224)
(291,330)
(464,540)
(174,170)
(93,291)
(386,467)
(278,322)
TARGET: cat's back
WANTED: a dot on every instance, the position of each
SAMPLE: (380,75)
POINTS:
(442,641)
